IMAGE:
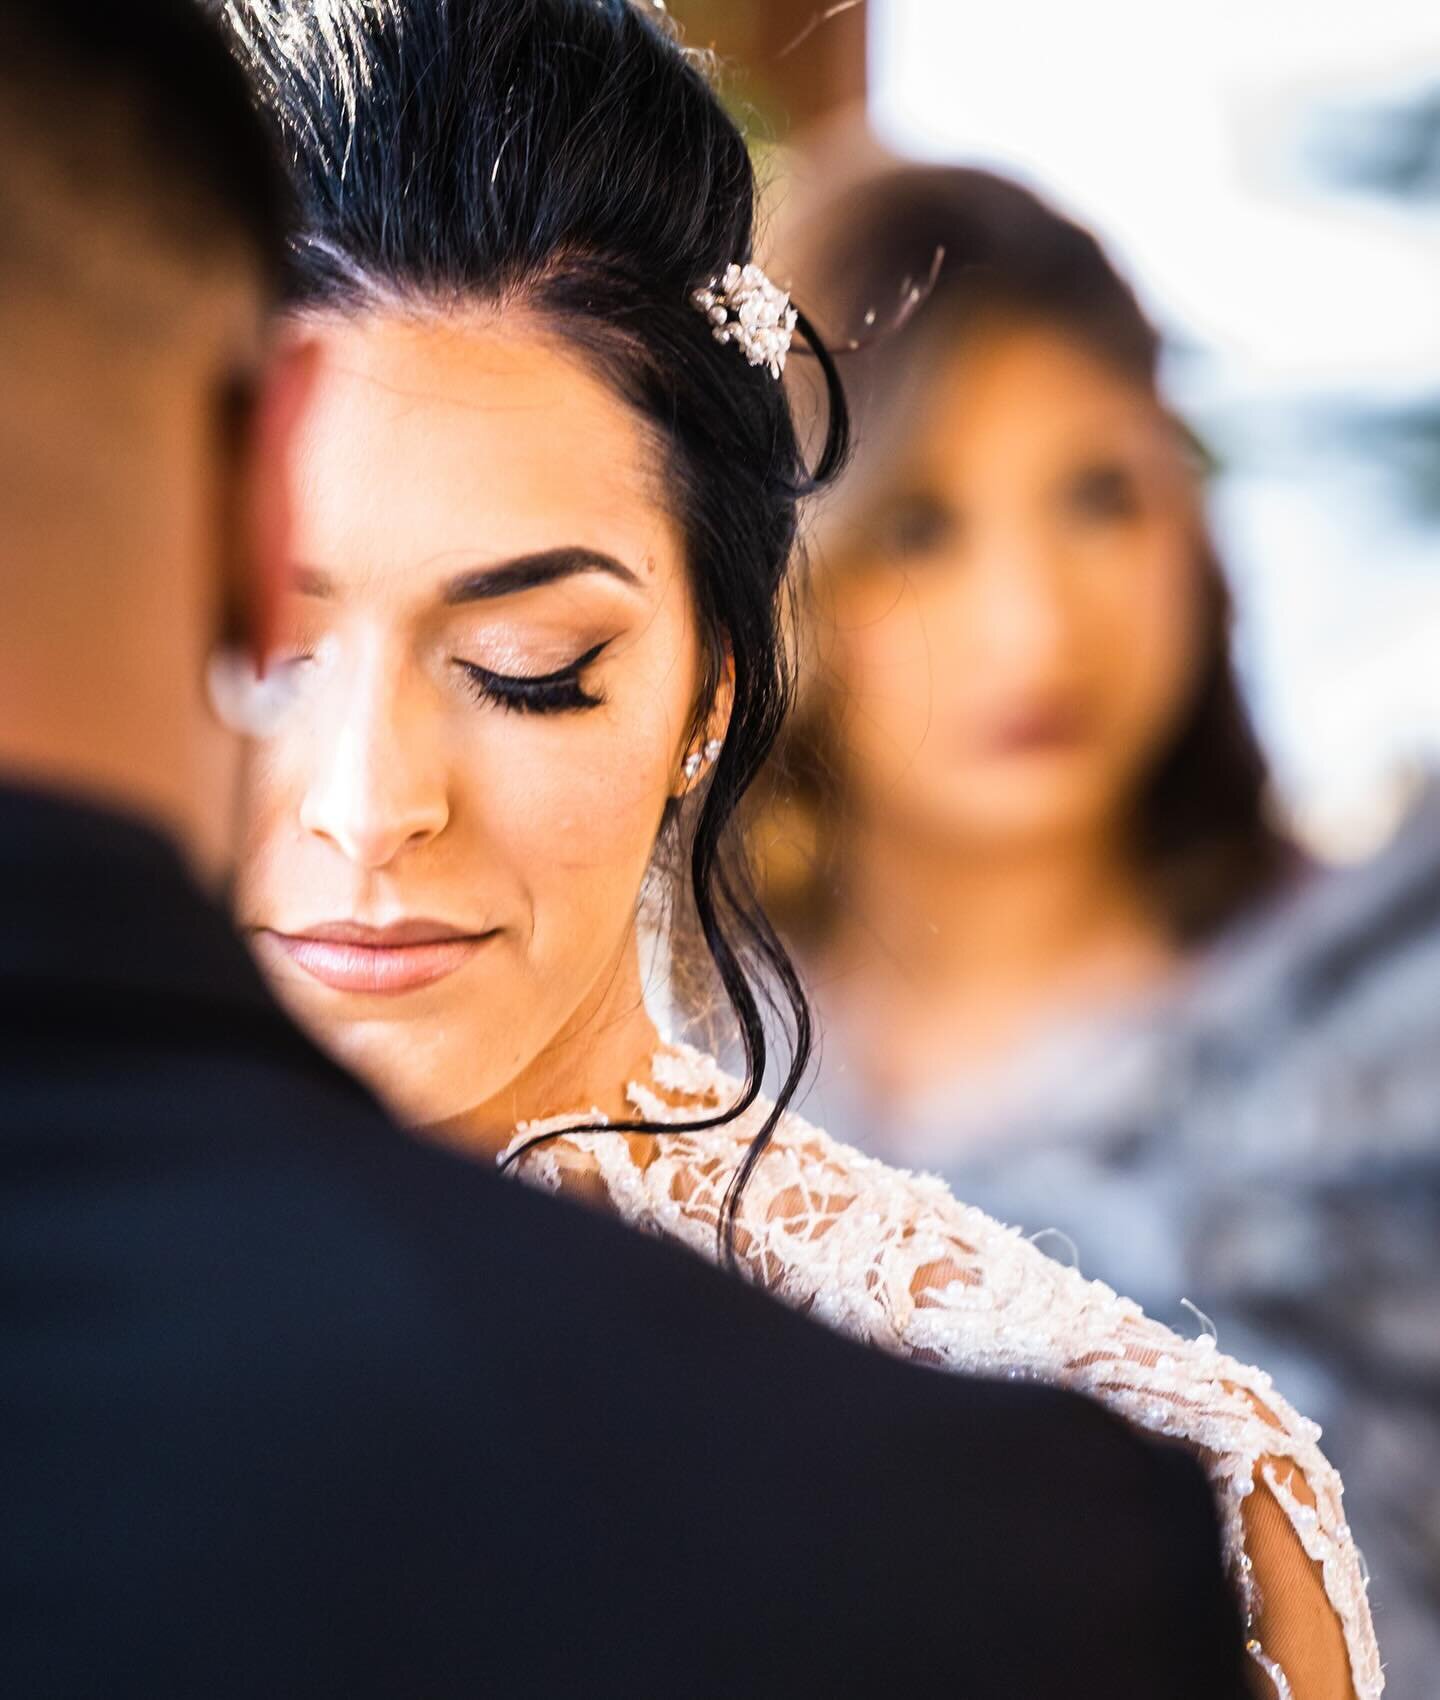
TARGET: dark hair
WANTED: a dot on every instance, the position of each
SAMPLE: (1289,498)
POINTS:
(192,126)
(568,158)
(930,251)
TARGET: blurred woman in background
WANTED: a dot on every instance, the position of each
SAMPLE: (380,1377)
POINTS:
(1023,796)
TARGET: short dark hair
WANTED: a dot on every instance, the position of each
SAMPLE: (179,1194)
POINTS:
(569,158)
(191,125)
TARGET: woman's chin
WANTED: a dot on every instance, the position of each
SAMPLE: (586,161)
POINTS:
(417,1077)
(427,1102)
(1009,825)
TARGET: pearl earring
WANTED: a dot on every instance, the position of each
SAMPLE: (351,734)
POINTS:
(696,760)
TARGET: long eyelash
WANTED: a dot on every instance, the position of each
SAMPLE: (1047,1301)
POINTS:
(551,693)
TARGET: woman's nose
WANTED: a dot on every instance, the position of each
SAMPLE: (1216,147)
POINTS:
(1023,617)
(379,788)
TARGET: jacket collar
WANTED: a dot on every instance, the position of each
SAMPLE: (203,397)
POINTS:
(94,902)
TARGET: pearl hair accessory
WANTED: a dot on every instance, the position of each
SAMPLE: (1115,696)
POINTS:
(745,308)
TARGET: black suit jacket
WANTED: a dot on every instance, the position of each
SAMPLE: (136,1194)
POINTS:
(291,1405)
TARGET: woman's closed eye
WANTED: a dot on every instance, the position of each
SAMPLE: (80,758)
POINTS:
(559,692)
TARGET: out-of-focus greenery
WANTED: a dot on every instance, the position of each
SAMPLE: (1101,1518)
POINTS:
(741,33)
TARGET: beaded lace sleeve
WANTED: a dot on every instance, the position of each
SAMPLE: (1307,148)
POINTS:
(894,1259)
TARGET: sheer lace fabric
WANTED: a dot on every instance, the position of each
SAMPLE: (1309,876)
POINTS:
(892,1258)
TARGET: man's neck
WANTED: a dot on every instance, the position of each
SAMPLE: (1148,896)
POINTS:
(112,764)
(114,716)
(108,515)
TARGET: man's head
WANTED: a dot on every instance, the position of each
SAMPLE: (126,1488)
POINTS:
(141,238)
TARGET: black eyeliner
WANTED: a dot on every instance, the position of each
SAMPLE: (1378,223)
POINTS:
(543,693)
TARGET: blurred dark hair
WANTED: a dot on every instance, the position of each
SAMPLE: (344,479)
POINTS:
(928,251)
(72,67)
(567,158)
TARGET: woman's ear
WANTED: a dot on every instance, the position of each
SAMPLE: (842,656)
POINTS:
(714,728)
(717,724)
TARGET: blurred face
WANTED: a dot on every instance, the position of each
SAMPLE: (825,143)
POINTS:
(494,669)
(1016,604)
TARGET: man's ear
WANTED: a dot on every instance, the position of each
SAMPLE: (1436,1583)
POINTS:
(285,387)
(259,417)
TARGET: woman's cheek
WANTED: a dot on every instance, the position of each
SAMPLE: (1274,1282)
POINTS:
(1158,625)
(578,798)
(888,679)
(270,819)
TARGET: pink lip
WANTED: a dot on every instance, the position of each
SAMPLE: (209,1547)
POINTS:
(404,957)
(1036,733)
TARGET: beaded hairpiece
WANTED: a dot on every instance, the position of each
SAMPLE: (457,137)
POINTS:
(745,308)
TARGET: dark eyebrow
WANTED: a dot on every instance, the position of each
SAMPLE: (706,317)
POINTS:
(504,578)
(529,572)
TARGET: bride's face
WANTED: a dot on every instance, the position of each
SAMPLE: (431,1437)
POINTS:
(495,666)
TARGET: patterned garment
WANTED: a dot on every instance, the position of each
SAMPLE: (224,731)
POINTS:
(1266,1144)
(893,1259)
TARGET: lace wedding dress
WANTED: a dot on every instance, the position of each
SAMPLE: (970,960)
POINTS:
(894,1259)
